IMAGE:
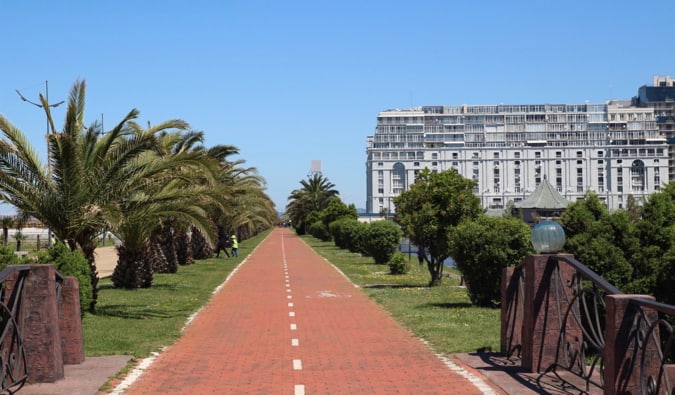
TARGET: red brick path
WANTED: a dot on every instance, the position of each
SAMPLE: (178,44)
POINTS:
(288,323)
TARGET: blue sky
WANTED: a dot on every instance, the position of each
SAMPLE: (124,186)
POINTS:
(288,82)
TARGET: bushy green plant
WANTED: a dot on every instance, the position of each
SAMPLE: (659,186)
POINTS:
(8,257)
(343,232)
(399,264)
(482,248)
(319,230)
(381,239)
(70,263)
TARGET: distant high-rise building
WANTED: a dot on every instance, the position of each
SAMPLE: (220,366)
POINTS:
(615,149)
(661,97)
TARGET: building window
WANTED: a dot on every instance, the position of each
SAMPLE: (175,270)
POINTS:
(496,155)
(558,154)
(455,155)
(516,155)
(537,154)
(580,180)
(637,176)
(398,179)
(580,154)
(434,155)
(380,163)
(417,164)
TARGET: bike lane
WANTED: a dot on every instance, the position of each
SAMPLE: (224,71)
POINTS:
(287,322)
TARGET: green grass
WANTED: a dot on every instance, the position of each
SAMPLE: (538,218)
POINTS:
(138,322)
(442,315)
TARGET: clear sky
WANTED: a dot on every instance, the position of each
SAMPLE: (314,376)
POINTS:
(288,82)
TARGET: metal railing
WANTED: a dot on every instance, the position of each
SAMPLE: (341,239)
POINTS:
(579,307)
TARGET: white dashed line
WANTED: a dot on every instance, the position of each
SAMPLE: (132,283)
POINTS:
(294,327)
(291,314)
(299,389)
(297,364)
(290,304)
(295,342)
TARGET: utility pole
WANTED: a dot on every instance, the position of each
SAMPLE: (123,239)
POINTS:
(44,104)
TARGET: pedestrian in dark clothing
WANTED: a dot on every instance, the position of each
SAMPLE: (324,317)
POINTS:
(223,242)
(420,254)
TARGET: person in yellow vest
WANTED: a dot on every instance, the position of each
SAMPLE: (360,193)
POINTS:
(235,246)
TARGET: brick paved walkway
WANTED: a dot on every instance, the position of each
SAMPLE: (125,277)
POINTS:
(287,322)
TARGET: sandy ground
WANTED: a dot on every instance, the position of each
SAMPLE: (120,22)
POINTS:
(106,260)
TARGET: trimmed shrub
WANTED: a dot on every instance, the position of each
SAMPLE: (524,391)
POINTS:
(381,239)
(398,264)
(482,248)
(70,263)
(319,230)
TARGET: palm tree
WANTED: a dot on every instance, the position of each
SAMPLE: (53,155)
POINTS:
(7,222)
(314,196)
(87,173)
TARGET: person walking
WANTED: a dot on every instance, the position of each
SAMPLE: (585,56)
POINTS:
(223,242)
(235,246)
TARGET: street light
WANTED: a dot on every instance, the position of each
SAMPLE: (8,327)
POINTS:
(44,104)
(548,237)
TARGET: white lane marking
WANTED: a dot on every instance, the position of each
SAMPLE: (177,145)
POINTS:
(289,297)
(291,314)
(297,364)
(294,327)
(295,342)
(288,290)
(299,389)
(290,304)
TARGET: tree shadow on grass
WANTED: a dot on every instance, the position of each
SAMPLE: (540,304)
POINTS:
(393,286)
(453,305)
(128,312)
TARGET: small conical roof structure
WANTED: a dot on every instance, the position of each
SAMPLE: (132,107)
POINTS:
(544,196)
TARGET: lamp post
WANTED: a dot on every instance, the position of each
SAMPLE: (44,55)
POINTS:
(548,237)
(44,104)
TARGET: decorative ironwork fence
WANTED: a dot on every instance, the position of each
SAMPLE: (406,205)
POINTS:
(558,314)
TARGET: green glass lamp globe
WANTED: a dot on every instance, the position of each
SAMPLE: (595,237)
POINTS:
(548,237)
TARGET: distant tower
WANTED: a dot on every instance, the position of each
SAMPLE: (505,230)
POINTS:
(315,168)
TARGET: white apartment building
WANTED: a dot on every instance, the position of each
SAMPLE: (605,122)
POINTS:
(614,149)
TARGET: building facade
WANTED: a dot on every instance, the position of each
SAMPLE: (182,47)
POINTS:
(615,149)
(661,97)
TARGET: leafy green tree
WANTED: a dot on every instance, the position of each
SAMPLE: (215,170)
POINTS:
(381,239)
(600,240)
(656,230)
(483,248)
(431,208)
(337,209)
